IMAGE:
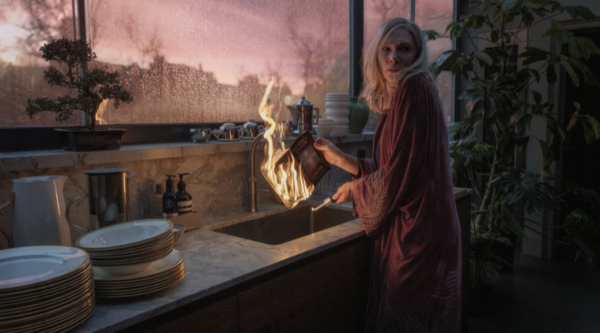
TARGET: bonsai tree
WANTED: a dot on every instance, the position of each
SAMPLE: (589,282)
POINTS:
(94,87)
(495,101)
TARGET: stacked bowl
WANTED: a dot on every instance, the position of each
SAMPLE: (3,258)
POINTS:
(45,289)
(338,109)
(130,259)
(324,127)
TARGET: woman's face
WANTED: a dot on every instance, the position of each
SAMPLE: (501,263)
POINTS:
(397,51)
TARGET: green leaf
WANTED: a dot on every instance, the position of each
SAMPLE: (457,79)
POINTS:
(595,126)
(513,225)
(431,34)
(483,57)
(509,4)
(578,12)
(494,36)
(528,19)
(588,131)
(547,158)
(453,127)
(574,118)
(537,97)
(539,2)
(571,72)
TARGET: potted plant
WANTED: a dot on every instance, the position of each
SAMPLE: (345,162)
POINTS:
(94,87)
(496,102)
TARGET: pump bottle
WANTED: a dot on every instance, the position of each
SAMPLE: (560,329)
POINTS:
(170,199)
(184,199)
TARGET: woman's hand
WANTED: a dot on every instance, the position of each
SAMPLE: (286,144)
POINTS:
(344,193)
(332,153)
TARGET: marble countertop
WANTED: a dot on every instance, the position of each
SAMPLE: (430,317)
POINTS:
(41,159)
(215,262)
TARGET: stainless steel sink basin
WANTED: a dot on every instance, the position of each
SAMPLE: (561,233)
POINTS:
(289,225)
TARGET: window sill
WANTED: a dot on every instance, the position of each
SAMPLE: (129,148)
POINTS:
(56,158)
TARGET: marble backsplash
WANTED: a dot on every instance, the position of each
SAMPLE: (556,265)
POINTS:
(217,183)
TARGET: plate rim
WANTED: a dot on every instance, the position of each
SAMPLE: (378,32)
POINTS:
(115,247)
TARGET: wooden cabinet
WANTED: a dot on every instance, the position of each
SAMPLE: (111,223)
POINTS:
(327,295)
(211,315)
(326,292)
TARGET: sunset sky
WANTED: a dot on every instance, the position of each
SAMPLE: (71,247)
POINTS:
(230,38)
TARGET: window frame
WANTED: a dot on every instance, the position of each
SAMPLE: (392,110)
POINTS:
(44,137)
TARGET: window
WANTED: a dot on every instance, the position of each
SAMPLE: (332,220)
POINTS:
(209,61)
(436,15)
(24,27)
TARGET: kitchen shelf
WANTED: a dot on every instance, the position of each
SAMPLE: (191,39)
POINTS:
(42,159)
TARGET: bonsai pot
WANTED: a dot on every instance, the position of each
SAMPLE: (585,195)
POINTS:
(85,139)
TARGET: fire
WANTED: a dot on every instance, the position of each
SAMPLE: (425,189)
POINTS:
(101,109)
(285,178)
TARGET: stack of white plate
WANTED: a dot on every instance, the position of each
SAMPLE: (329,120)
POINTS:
(338,109)
(129,244)
(324,127)
(133,258)
(45,289)
(159,275)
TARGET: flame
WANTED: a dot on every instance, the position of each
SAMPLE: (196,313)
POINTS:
(285,176)
(101,109)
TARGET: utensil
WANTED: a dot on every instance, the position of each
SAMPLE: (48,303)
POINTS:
(305,116)
(200,134)
(229,131)
(251,129)
(325,203)
(39,211)
(107,198)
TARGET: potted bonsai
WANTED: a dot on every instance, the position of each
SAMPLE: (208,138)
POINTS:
(495,102)
(93,88)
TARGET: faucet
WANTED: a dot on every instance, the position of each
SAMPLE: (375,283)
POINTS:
(252,206)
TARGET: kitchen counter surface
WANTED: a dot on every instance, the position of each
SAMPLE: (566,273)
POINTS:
(215,262)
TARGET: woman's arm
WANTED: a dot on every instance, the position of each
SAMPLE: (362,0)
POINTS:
(408,143)
(336,157)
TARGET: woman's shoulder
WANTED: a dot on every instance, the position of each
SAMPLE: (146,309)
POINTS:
(418,81)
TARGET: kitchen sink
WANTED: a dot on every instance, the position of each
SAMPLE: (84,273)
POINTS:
(284,227)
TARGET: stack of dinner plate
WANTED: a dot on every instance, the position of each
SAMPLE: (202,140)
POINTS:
(45,289)
(133,258)
(160,274)
(135,243)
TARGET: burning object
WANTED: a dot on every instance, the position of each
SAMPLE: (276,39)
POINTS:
(292,172)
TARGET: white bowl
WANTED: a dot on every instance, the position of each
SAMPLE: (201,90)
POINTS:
(178,230)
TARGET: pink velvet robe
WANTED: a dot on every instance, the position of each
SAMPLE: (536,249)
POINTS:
(407,207)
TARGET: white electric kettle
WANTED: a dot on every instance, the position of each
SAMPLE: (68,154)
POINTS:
(38,216)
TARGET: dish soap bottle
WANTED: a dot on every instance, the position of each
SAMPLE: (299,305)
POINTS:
(169,199)
(156,205)
(184,199)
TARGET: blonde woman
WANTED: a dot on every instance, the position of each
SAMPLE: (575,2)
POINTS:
(404,196)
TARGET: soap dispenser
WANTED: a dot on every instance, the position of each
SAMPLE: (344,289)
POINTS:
(170,199)
(184,199)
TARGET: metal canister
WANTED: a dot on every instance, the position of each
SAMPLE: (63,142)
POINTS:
(304,114)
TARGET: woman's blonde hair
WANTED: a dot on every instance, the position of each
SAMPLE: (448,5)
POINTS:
(374,85)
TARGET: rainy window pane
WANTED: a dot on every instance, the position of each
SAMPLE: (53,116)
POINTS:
(24,27)
(210,60)
(436,15)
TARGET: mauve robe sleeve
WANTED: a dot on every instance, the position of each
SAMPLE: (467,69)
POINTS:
(404,147)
